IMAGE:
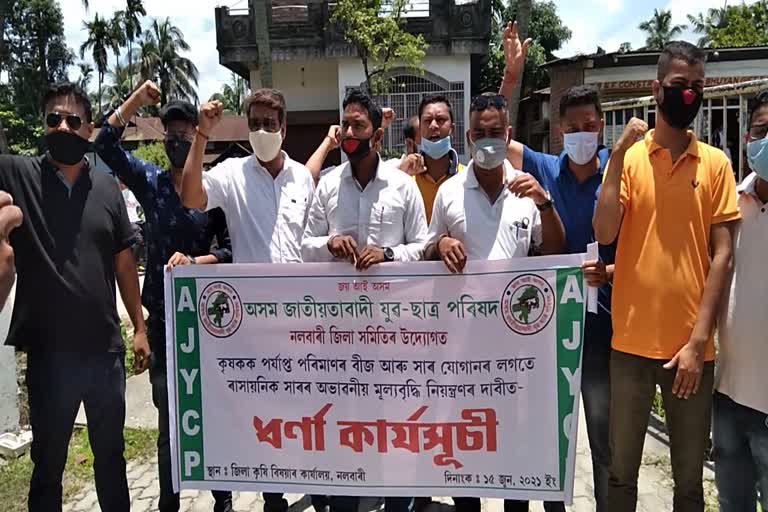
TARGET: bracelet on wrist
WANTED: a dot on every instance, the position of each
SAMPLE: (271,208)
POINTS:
(204,136)
(119,115)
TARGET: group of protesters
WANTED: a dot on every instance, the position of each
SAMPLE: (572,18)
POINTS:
(680,253)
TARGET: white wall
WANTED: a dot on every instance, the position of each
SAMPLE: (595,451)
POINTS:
(307,85)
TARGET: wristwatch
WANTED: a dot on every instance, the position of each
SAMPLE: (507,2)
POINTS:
(389,254)
(192,260)
(546,205)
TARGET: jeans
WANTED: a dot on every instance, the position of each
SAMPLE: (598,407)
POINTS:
(58,382)
(740,438)
(169,501)
(349,504)
(633,387)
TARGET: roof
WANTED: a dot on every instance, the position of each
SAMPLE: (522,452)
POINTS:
(144,129)
(600,59)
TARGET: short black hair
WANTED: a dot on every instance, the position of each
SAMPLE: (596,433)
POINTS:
(435,98)
(409,129)
(62,89)
(360,97)
(756,103)
(581,95)
(679,50)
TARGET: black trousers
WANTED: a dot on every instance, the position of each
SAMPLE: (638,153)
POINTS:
(169,500)
(58,382)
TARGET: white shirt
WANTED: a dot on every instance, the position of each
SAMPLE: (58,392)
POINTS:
(743,322)
(502,230)
(265,216)
(388,212)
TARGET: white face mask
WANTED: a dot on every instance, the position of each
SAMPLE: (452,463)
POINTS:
(580,146)
(266,145)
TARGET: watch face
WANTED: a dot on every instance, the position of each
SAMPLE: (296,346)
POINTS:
(389,254)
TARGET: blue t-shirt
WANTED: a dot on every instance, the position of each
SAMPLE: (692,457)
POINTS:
(575,202)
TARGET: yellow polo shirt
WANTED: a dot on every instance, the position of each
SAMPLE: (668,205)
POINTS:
(428,186)
(662,258)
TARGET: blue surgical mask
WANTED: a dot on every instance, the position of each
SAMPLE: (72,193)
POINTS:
(757,156)
(437,149)
(488,153)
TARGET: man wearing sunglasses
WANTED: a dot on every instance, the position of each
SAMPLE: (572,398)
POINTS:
(740,404)
(491,211)
(73,244)
(175,236)
(266,196)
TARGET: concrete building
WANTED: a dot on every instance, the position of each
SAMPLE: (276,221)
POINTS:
(624,76)
(314,66)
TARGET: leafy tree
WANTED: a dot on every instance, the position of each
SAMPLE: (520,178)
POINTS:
(100,40)
(86,70)
(548,33)
(159,58)
(376,29)
(134,11)
(659,30)
(120,78)
(733,25)
(154,153)
(36,51)
(21,134)
(233,95)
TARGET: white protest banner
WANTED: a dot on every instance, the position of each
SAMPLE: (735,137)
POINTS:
(401,381)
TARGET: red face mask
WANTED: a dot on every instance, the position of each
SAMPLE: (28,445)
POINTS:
(356,149)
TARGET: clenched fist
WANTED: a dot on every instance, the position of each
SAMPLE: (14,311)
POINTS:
(634,131)
(147,94)
(210,116)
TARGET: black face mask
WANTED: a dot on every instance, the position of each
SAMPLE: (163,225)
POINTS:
(680,106)
(66,147)
(356,149)
(177,151)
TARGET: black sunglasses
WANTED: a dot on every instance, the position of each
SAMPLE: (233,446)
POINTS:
(482,102)
(53,120)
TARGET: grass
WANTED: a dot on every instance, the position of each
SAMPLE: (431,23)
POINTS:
(15,474)
(127,333)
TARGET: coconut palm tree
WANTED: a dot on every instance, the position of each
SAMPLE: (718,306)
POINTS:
(716,18)
(159,58)
(119,83)
(99,41)
(233,95)
(86,70)
(659,30)
(134,11)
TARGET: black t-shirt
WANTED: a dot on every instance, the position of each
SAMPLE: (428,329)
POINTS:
(65,250)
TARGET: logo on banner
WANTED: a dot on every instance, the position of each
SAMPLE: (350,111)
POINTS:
(221,311)
(528,304)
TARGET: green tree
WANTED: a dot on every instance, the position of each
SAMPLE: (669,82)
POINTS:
(376,29)
(733,25)
(119,80)
(659,30)
(21,133)
(86,70)
(153,153)
(233,95)
(36,52)
(548,33)
(99,41)
(159,58)
(134,11)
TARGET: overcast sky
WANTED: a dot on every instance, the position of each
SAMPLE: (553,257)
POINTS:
(605,23)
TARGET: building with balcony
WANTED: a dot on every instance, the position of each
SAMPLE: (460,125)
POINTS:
(314,66)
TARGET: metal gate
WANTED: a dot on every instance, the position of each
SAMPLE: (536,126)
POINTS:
(406,92)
